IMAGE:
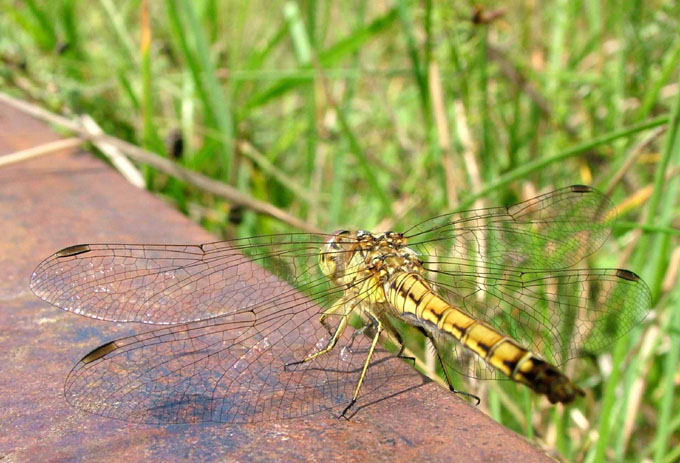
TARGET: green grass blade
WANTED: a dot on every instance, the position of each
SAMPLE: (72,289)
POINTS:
(120,30)
(668,67)
(540,163)
(364,163)
(330,57)
(198,58)
(668,405)
(41,26)
(419,70)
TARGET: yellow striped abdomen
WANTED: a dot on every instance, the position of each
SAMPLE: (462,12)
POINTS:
(412,297)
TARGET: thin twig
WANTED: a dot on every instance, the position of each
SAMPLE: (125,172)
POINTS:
(165,165)
(118,159)
(40,150)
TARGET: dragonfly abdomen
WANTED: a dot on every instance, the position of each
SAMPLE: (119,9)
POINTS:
(411,296)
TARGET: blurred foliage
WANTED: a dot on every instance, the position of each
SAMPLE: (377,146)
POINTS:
(380,114)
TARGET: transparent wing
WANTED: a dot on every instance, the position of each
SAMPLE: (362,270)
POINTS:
(551,231)
(170,284)
(247,322)
(232,369)
(557,314)
(254,305)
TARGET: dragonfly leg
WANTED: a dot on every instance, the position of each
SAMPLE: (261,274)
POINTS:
(335,335)
(402,347)
(338,305)
(446,373)
(357,333)
(373,328)
(398,340)
(370,330)
(378,329)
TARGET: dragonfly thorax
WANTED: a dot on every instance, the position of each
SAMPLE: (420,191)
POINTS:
(349,257)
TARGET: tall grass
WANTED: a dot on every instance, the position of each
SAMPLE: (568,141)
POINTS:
(360,113)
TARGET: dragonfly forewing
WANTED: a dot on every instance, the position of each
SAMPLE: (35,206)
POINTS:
(171,284)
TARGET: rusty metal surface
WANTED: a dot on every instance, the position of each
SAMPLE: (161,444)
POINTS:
(70,197)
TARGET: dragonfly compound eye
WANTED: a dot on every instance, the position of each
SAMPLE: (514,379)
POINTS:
(335,253)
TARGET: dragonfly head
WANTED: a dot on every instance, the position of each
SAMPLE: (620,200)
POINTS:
(346,255)
(336,253)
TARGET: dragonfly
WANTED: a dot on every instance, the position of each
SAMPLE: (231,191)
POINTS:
(289,325)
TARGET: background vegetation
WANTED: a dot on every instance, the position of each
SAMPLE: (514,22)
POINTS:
(379,114)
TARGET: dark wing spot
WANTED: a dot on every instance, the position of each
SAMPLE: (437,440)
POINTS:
(100,352)
(627,275)
(581,189)
(73,250)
